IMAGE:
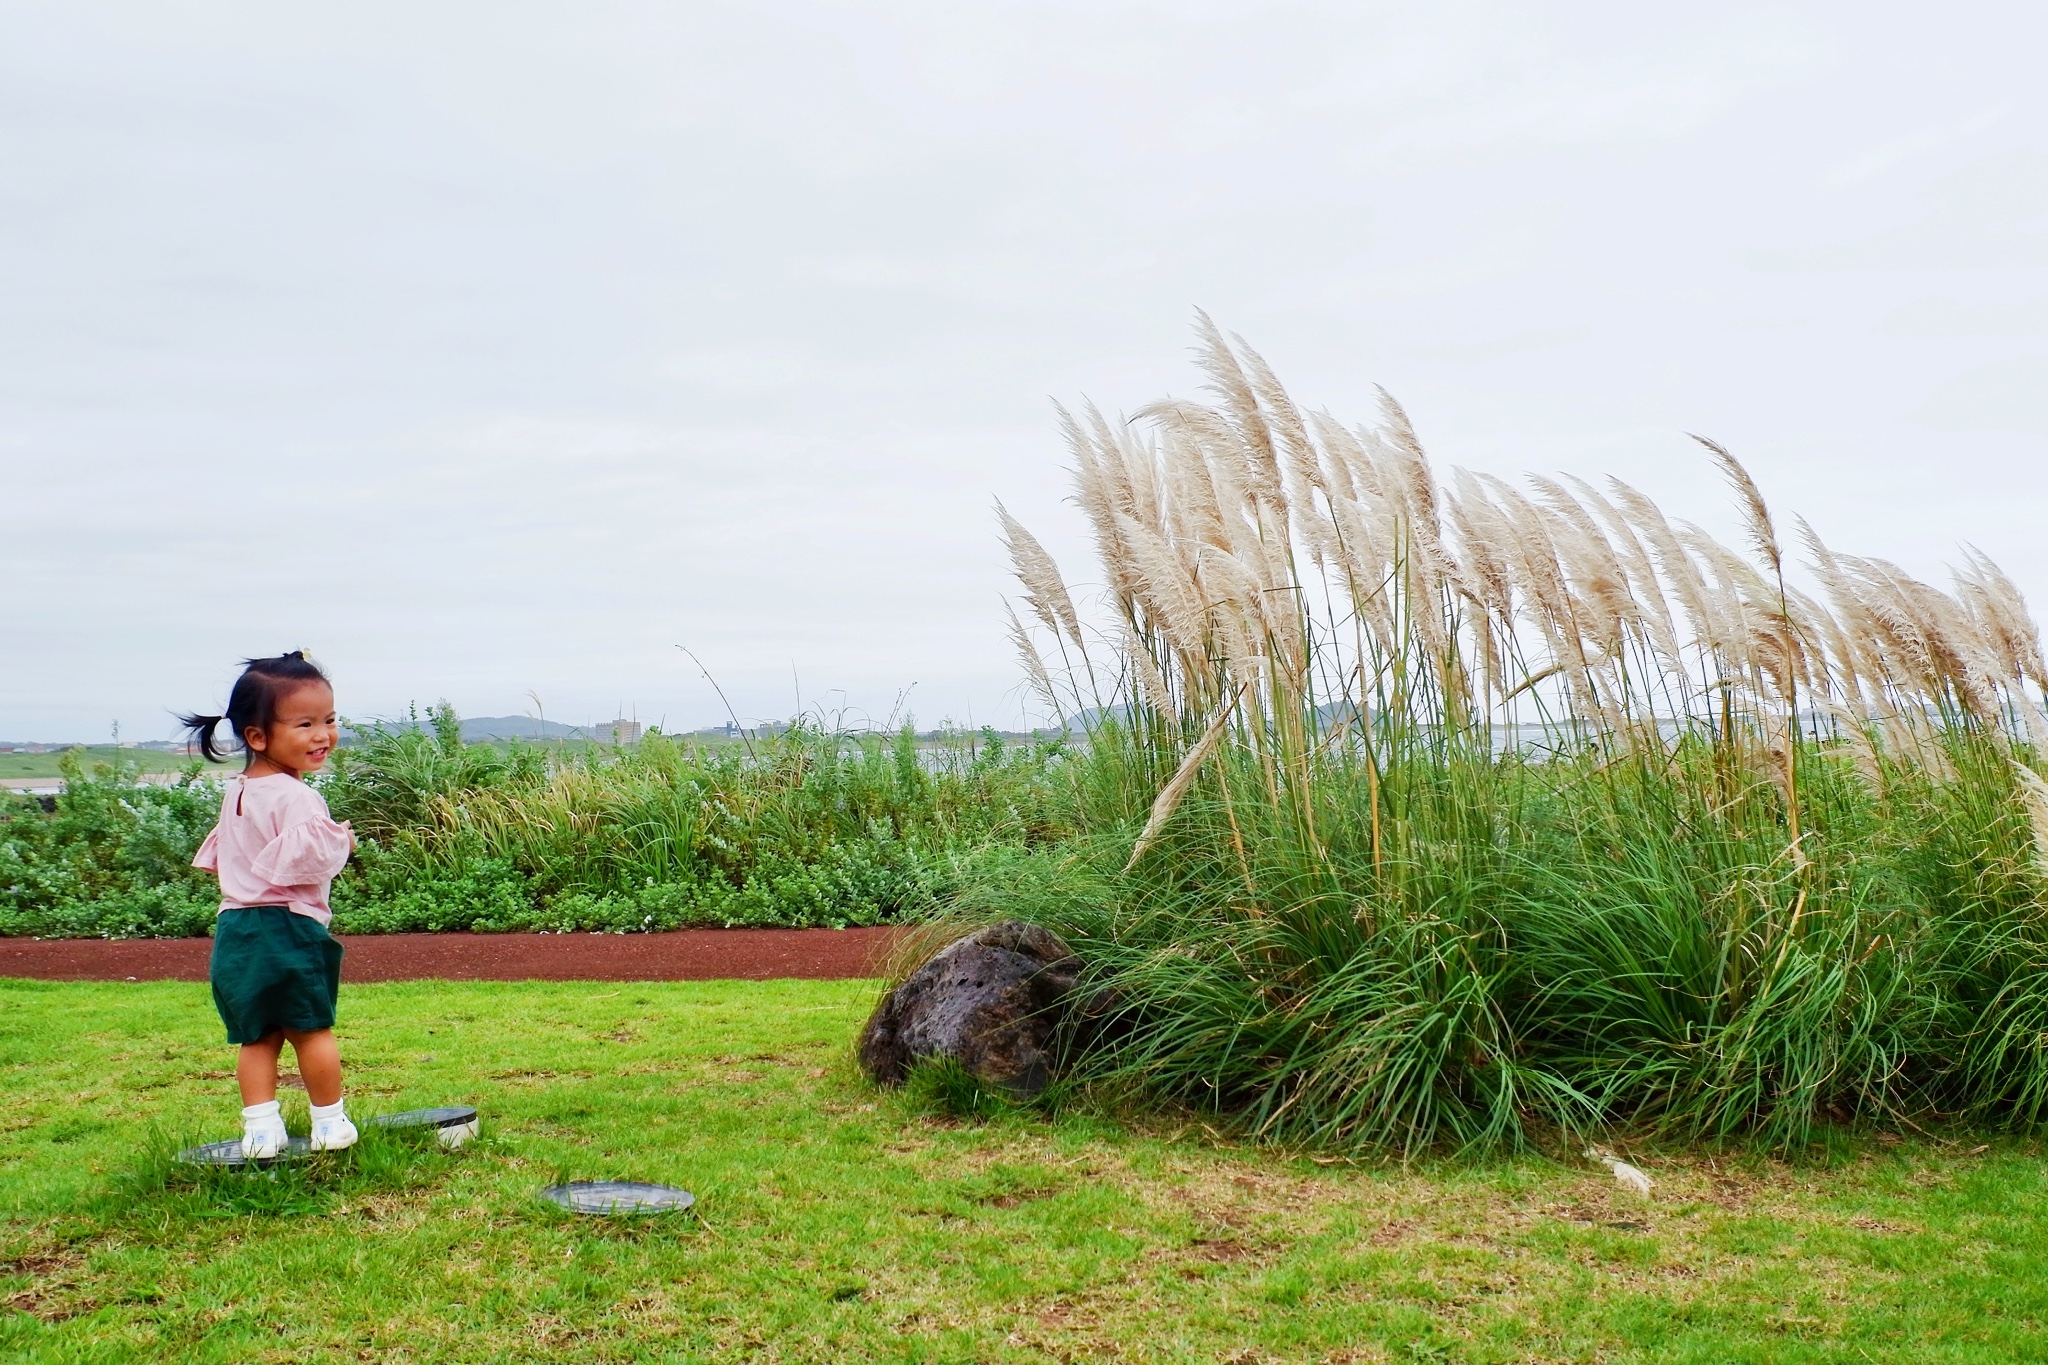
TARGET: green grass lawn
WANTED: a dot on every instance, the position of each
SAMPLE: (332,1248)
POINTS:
(842,1224)
(47,765)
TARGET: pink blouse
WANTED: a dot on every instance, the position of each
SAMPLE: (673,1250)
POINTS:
(275,845)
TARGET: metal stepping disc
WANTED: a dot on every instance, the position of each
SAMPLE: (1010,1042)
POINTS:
(228,1154)
(453,1124)
(618,1197)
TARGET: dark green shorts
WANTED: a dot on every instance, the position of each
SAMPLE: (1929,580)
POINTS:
(273,970)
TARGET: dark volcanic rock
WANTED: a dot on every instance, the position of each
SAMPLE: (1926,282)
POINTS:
(994,1000)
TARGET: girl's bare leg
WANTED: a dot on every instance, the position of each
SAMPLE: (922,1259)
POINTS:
(319,1065)
(256,1070)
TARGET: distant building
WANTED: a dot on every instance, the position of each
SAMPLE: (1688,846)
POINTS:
(620,731)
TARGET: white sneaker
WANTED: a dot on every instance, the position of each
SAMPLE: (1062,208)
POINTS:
(263,1134)
(331,1129)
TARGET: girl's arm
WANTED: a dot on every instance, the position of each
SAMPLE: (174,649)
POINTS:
(208,857)
(305,854)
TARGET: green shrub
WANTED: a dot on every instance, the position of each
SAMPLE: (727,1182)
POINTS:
(801,829)
(113,860)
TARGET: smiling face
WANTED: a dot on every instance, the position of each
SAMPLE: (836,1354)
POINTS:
(301,734)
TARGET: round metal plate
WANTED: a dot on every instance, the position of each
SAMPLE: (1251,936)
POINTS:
(448,1116)
(618,1197)
(229,1154)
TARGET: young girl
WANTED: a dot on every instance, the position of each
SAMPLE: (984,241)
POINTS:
(275,970)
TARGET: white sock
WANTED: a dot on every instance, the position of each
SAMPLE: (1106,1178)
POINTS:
(262,1130)
(331,1129)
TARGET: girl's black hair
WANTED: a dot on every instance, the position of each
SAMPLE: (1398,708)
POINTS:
(253,701)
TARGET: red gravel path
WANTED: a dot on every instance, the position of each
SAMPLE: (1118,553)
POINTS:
(685,955)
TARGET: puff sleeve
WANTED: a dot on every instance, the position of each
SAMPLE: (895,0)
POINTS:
(208,856)
(309,853)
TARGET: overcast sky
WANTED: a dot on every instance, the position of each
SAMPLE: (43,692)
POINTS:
(496,349)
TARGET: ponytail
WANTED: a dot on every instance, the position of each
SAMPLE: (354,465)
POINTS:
(253,701)
(199,734)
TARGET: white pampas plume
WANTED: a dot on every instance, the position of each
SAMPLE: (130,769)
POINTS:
(1227,381)
(1854,729)
(1597,573)
(1044,588)
(1955,653)
(2022,637)
(1096,497)
(1762,532)
(1856,663)
(1652,604)
(1150,680)
(1034,664)
(1183,777)
(1678,568)
(1625,1175)
(2034,795)
(1299,459)
(1169,597)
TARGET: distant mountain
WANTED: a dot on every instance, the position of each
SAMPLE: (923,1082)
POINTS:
(516,727)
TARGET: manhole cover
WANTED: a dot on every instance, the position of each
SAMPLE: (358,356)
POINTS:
(454,1124)
(229,1154)
(618,1196)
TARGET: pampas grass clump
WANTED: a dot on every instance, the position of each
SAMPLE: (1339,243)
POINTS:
(1427,812)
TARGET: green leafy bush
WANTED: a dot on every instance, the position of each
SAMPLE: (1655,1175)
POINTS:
(113,860)
(801,829)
